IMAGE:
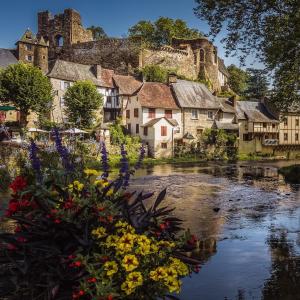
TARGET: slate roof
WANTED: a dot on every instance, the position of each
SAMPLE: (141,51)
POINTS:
(152,122)
(156,95)
(191,94)
(254,111)
(226,106)
(65,70)
(225,126)
(7,58)
(127,85)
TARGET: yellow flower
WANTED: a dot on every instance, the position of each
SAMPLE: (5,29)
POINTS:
(111,268)
(173,285)
(77,185)
(121,224)
(125,243)
(112,240)
(134,279)
(181,268)
(109,192)
(154,248)
(101,183)
(99,232)
(143,249)
(158,274)
(166,244)
(130,262)
(171,272)
(91,172)
(126,229)
(125,287)
(143,239)
(70,187)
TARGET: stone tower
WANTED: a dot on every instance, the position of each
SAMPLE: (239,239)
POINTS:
(62,30)
(33,51)
(206,59)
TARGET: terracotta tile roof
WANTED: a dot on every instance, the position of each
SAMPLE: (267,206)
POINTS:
(154,94)
(152,122)
(107,77)
(127,85)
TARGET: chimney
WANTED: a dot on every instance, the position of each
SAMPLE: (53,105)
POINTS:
(233,101)
(172,78)
(97,71)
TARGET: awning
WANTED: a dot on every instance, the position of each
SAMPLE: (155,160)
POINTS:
(74,131)
(32,129)
(7,108)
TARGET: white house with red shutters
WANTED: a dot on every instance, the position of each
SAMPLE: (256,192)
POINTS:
(152,114)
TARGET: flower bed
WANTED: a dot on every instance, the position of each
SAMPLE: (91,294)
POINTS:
(80,235)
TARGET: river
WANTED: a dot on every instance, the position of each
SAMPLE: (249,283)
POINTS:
(249,220)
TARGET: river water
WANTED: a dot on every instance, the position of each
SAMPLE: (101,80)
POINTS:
(249,220)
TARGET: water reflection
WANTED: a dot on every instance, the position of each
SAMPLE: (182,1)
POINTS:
(237,208)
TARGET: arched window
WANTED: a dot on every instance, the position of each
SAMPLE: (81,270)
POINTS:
(202,55)
(59,41)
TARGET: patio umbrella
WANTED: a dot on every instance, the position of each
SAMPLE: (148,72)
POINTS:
(74,131)
(7,108)
(32,129)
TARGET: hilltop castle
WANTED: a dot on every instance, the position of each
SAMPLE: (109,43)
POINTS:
(63,37)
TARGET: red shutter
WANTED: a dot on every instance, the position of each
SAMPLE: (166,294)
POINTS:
(151,113)
(163,130)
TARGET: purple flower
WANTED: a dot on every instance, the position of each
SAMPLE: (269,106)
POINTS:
(124,169)
(141,158)
(62,151)
(104,160)
(35,162)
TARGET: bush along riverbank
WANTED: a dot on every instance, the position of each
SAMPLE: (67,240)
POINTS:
(291,174)
(80,235)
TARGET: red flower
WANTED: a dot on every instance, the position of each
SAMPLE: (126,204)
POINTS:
(75,264)
(18,184)
(12,208)
(101,208)
(21,239)
(197,269)
(104,259)
(110,297)
(11,247)
(68,205)
(192,241)
(110,218)
(57,221)
(92,280)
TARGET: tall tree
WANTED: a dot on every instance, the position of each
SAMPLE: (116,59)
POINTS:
(271,29)
(257,84)
(162,31)
(82,100)
(237,80)
(98,32)
(27,88)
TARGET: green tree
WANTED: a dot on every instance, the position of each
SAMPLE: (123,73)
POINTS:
(27,88)
(81,101)
(162,31)
(269,29)
(98,32)
(155,73)
(238,80)
(257,84)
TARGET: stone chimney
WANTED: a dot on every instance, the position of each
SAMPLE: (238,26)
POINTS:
(233,101)
(97,71)
(172,78)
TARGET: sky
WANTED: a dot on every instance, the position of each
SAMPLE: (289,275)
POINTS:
(114,16)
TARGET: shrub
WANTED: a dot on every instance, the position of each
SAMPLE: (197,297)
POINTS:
(80,235)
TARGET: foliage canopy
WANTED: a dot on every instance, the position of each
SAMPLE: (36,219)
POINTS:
(81,101)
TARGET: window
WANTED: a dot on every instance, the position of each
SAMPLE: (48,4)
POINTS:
(62,101)
(168,114)
(145,131)
(296,137)
(285,136)
(265,125)
(246,126)
(202,55)
(164,130)
(199,131)
(29,57)
(285,121)
(28,47)
(194,114)
(129,127)
(164,145)
(273,126)
(137,129)
(151,113)
(108,100)
(136,112)
(297,122)
(117,101)
(66,85)
(210,115)
(127,114)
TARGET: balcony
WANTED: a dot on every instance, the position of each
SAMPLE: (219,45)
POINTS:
(270,142)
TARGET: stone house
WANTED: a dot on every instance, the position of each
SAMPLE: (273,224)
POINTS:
(63,74)
(152,114)
(258,128)
(198,105)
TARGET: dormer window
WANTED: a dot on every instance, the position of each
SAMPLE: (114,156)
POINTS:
(28,47)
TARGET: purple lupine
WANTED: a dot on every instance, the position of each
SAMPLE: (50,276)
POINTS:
(124,170)
(35,162)
(141,158)
(62,151)
(104,161)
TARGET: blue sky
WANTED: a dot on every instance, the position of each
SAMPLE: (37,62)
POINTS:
(115,16)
